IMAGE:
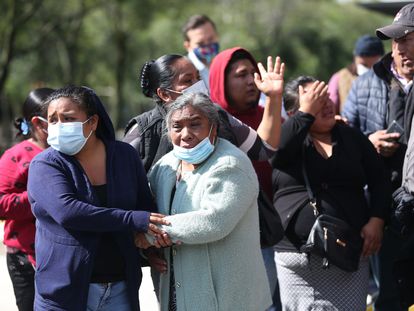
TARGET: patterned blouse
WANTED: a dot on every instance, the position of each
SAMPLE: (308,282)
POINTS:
(19,227)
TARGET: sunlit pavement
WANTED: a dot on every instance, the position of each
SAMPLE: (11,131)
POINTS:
(7,302)
(147,297)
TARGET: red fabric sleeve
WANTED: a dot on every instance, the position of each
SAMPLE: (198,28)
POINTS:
(14,166)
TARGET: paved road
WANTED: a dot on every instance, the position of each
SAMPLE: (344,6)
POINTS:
(7,301)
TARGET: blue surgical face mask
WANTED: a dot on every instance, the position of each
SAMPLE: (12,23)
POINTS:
(197,154)
(198,87)
(207,52)
(67,137)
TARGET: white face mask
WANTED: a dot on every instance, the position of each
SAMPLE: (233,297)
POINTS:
(67,137)
(198,87)
(361,69)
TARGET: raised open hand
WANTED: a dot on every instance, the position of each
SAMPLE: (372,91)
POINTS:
(270,81)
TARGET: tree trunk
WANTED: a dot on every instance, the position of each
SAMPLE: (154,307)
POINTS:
(17,22)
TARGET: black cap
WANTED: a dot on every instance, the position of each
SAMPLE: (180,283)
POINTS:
(402,25)
(367,45)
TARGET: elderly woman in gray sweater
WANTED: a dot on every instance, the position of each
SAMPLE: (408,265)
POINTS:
(209,189)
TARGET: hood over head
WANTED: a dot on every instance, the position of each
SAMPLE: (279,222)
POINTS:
(105,126)
(217,76)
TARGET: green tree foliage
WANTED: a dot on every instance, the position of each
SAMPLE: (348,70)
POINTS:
(104,43)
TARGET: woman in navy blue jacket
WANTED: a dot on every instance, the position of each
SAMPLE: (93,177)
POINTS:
(89,194)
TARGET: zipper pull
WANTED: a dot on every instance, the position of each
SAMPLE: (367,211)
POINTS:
(325,261)
(315,209)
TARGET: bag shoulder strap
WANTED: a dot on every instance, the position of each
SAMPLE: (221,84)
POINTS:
(312,198)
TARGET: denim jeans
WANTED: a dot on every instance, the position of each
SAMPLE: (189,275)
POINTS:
(268,255)
(108,297)
(22,276)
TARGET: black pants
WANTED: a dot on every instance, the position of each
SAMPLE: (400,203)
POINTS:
(22,276)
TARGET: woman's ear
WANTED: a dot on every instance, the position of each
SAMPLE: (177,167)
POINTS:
(37,123)
(214,134)
(94,122)
(290,113)
(215,130)
(164,95)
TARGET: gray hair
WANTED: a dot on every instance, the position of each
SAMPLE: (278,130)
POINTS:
(198,101)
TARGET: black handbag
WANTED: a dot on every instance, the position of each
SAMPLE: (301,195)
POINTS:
(336,242)
(332,238)
(271,230)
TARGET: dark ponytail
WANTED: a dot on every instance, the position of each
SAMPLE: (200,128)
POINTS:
(158,74)
(145,78)
(291,92)
(34,105)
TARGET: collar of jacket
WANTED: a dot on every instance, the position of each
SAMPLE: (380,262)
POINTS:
(383,69)
(162,109)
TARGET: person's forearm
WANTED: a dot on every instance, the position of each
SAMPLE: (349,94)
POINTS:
(269,129)
(15,206)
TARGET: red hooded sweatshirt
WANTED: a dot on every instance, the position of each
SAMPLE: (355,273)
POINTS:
(252,117)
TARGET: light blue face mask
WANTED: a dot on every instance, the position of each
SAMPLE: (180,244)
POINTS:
(67,137)
(197,154)
(198,87)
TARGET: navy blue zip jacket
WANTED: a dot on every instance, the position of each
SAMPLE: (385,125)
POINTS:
(69,221)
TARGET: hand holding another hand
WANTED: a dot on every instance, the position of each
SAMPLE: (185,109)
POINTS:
(155,220)
(161,239)
(141,241)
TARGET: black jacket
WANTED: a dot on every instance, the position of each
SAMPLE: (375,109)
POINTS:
(147,133)
(338,182)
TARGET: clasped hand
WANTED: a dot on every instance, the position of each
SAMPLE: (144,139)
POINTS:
(161,238)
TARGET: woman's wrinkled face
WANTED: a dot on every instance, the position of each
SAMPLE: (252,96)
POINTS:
(189,127)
